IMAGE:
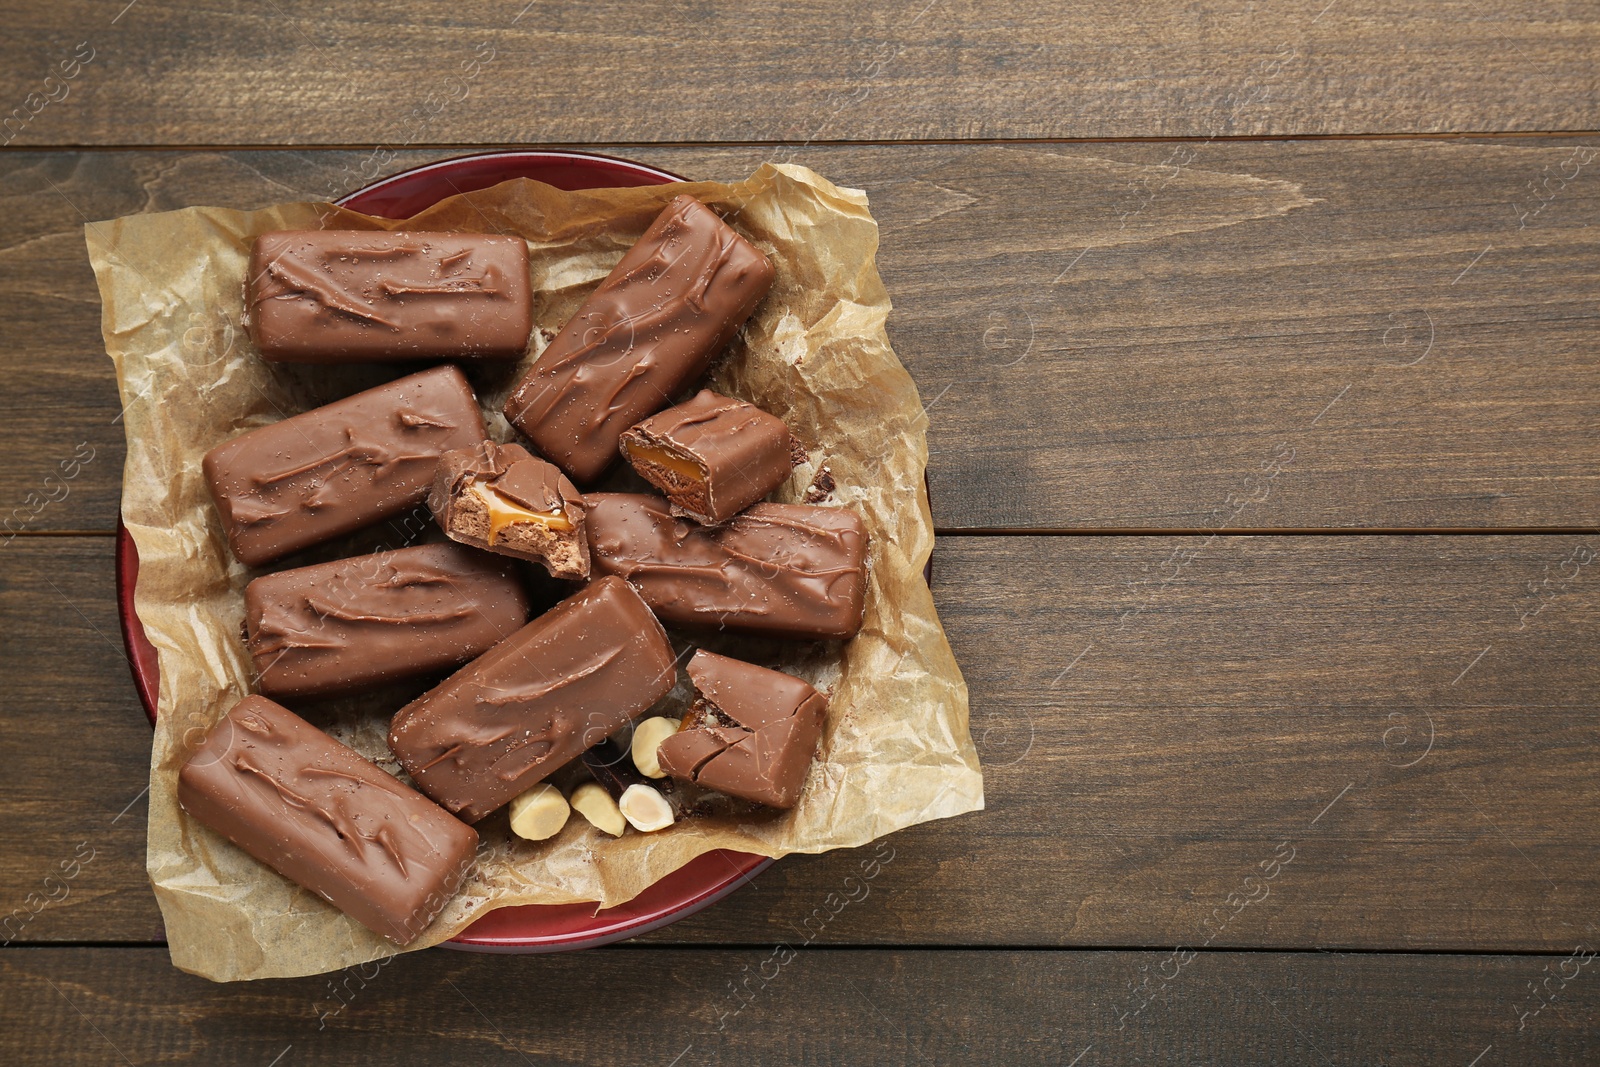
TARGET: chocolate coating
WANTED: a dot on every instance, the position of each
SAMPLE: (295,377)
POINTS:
(339,296)
(672,303)
(327,819)
(785,570)
(751,733)
(534,702)
(521,479)
(339,467)
(338,626)
(741,452)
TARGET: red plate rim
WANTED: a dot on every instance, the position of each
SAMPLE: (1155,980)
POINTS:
(533,927)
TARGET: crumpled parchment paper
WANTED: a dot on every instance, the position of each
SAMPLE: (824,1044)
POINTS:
(896,750)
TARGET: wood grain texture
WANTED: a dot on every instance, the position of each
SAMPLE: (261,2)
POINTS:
(296,72)
(1191,336)
(683,1008)
(1274,742)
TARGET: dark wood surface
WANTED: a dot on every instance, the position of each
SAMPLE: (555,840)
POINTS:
(816,1006)
(1258,349)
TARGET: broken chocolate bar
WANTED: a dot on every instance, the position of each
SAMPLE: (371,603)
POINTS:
(564,682)
(366,620)
(785,570)
(751,732)
(505,499)
(337,296)
(324,817)
(672,303)
(337,468)
(712,456)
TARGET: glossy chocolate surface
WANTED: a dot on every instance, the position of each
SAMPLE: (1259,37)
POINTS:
(324,817)
(366,620)
(337,468)
(785,570)
(338,296)
(563,683)
(653,326)
(740,452)
(751,733)
(515,479)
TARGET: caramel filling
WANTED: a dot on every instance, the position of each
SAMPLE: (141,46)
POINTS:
(661,457)
(504,512)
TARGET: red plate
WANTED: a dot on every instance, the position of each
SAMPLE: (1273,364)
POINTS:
(532,928)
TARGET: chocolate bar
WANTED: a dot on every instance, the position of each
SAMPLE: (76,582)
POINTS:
(751,732)
(367,620)
(712,456)
(784,570)
(339,296)
(339,467)
(505,499)
(327,819)
(564,682)
(672,303)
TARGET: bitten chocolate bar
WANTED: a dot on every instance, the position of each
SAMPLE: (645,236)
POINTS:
(505,499)
(785,570)
(566,681)
(751,732)
(322,816)
(712,456)
(341,296)
(672,303)
(366,620)
(339,467)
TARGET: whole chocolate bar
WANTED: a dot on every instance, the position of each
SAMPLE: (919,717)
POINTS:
(505,499)
(338,626)
(339,467)
(340,296)
(327,819)
(570,678)
(673,302)
(751,732)
(712,456)
(785,570)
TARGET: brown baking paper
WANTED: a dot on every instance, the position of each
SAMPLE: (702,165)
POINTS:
(896,749)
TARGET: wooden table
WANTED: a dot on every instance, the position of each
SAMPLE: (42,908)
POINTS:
(1259,344)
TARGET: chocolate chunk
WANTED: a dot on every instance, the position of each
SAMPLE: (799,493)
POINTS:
(337,296)
(339,467)
(786,570)
(751,732)
(366,620)
(507,500)
(322,816)
(712,456)
(566,681)
(673,302)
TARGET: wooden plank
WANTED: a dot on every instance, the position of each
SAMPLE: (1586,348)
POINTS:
(1268,742)
(1242,335)
(299,73)
(684,1007)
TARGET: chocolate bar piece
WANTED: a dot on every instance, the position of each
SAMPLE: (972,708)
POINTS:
(339,467)
(712,456)
(654,325)
(342,296)
(750,733)
(322,816)
(366,620)
(505,499)
(566,681)
(785,570)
